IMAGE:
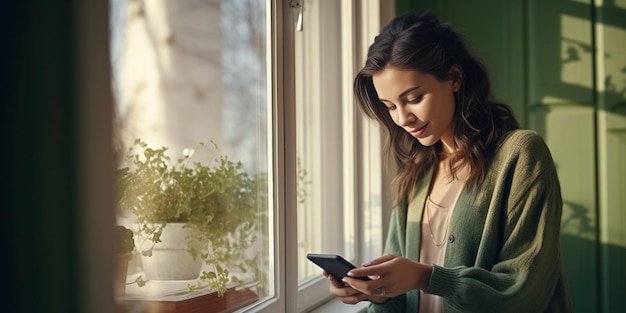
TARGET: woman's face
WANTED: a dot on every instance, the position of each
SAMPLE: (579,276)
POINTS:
(419,103)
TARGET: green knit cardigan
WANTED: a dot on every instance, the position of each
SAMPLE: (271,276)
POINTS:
(503,252)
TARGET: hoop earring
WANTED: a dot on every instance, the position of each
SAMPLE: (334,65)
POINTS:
(464,113)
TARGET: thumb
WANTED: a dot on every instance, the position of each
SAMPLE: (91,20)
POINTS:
(380,260)
(372,268)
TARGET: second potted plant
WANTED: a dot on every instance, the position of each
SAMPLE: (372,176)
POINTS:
(124,246)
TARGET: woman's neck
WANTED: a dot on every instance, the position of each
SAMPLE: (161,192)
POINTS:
(444,179)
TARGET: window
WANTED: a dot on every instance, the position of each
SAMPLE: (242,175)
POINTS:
(237,73)
(192,76)
(326,211)
(338,154)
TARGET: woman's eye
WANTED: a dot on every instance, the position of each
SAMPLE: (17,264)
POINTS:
(391,107)
(414,100)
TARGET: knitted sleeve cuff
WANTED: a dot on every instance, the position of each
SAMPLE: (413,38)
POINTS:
(443,280)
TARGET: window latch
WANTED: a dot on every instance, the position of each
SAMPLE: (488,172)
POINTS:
(298,5)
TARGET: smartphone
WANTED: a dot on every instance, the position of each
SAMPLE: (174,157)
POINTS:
(333,264)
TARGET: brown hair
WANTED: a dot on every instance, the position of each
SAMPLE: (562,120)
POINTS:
(424,44)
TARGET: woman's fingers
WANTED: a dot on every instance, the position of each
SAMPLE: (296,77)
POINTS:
(380,260)
(343,292)
(333,281)
(373,271)
(390,276)
(395,276)
(369,287)
(353,299)
(374,268)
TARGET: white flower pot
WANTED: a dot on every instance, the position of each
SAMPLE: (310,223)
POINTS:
(170,259)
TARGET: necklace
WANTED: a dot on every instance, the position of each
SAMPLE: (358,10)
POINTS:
(446,192)
(430,227)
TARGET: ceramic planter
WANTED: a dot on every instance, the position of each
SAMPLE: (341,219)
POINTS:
(170,259)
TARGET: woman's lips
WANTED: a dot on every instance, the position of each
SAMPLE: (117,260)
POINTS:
(417,132)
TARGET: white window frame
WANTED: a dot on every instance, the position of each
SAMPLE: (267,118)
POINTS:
(362,169)
(319,89)
(363,173)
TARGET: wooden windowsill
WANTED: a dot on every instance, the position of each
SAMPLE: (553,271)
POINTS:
(173,297)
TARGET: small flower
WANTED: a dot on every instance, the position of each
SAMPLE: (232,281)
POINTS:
(187,152)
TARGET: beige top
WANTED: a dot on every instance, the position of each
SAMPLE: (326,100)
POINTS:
(434,236)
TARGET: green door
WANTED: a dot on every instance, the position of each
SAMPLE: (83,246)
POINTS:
(562,66)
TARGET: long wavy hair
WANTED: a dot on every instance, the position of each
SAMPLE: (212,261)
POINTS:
(429,46)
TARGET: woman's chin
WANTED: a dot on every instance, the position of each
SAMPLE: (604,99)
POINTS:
(428,141)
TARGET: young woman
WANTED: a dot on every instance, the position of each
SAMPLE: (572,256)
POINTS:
(478,203)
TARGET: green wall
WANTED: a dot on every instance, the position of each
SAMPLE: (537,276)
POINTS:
(561,65)
(38,168)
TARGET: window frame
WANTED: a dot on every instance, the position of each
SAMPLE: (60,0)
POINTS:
(319,87)
(365,179)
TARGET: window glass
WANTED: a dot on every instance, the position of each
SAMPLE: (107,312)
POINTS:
(325,224)
(191,106)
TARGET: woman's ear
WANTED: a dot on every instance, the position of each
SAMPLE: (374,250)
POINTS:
(456,74)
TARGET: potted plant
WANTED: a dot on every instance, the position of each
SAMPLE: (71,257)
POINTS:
(124,246)
(214,202)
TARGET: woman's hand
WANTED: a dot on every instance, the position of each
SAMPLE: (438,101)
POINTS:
(393,276)
(349,295)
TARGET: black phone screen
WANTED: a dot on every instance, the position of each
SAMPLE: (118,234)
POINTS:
(333,264)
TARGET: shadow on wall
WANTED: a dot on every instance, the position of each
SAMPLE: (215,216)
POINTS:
(615,95)
(579,242)
(614,256)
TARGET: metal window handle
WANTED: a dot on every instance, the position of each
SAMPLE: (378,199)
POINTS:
(298,5)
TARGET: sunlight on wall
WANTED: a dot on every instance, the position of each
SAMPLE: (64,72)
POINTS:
(611,84)
(621,4)
(169,82)
(576,51)
(139,78)
(614,60)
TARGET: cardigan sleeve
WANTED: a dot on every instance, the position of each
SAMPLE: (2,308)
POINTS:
(527,262)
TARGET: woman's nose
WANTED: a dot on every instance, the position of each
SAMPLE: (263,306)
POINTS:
(405,117)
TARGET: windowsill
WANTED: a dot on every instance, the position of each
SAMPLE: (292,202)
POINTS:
(156,295)
(173,296)
(335,305)
(159,290)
